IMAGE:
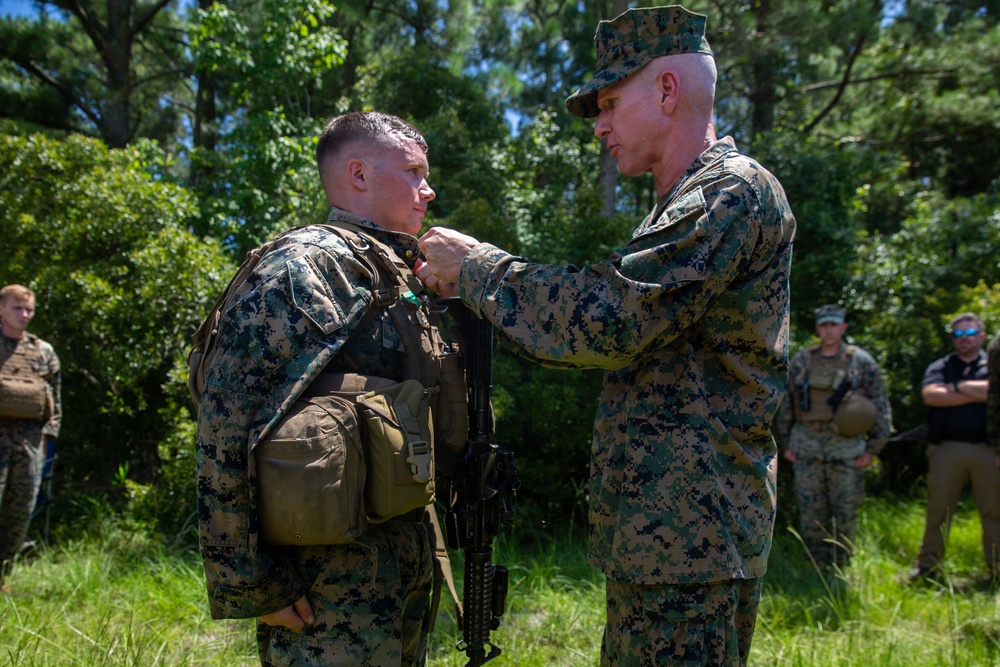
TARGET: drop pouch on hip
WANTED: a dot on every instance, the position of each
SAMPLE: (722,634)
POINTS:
(311,475)
(25,397)
(398,441)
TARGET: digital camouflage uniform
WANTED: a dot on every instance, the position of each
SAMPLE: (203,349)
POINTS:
(690,320)
(22,445)
(828,484)
(290,321)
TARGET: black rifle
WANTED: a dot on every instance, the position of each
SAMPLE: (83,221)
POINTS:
(480,490)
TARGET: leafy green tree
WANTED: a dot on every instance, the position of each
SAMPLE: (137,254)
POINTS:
(263,61)
(106,68)
(101,237)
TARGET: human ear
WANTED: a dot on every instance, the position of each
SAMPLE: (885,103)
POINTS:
(356,170)
(668,88)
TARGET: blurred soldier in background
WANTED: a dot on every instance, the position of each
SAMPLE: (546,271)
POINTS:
(834,419)
(30,415)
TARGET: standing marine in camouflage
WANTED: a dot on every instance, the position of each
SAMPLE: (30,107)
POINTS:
(835,418)
(310,312)
(30,415)
(690,320)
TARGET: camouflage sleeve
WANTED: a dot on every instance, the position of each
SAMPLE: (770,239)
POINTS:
(244,577)
(53,376)
(871,385)
(993,397)
(609,314)
(293,313)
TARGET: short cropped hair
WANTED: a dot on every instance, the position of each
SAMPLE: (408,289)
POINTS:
(16,292)
(966,316)
(376,129)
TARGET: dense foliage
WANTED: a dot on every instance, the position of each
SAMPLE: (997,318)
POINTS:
(150,143)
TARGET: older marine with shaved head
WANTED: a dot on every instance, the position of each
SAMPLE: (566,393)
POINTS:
(690,320)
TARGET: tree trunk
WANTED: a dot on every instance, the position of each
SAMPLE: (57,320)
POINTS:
(205,130)
(762,95)
(608,166)
(117,56)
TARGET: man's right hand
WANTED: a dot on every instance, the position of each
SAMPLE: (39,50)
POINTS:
(444,251)
(294,617)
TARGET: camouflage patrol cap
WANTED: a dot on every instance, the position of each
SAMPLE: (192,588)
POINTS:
(626,43)
(830,313)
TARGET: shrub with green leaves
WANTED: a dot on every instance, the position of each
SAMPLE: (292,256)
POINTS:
(101,236)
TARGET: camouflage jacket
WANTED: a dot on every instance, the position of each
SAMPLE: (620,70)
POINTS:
(865,376)
(45,363)
(289,319)
(690,320)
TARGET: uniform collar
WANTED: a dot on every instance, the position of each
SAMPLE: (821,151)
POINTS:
(711,154)
(404,245)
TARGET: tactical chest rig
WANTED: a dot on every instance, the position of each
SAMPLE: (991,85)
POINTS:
(354,448)
(826,393)
(24,393)
(429,359)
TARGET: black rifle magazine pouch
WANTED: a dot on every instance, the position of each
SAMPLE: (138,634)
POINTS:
(397,430)
(311,475)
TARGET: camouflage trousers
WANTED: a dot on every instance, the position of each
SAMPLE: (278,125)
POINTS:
(687,625)
(371,599)
(829,494)
(22,455)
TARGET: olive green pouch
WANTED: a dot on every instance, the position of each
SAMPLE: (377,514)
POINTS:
(311,475)
(25,397)
(397,431)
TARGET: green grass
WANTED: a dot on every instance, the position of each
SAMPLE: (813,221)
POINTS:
(123,599)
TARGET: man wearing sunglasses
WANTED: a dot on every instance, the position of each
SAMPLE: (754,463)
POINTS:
(955,389)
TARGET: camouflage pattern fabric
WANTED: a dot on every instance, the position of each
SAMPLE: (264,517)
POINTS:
(828,484)
(692,625)
(22,455)
(370,600)
(690,319)
(632,39)
(821,442)
(993,397)
(289,319)
(829,494)
(22,447)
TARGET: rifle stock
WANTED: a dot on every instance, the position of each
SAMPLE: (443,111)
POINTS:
(481,491)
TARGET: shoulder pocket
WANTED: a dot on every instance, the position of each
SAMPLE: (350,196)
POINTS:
(282,314)
(671,249)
